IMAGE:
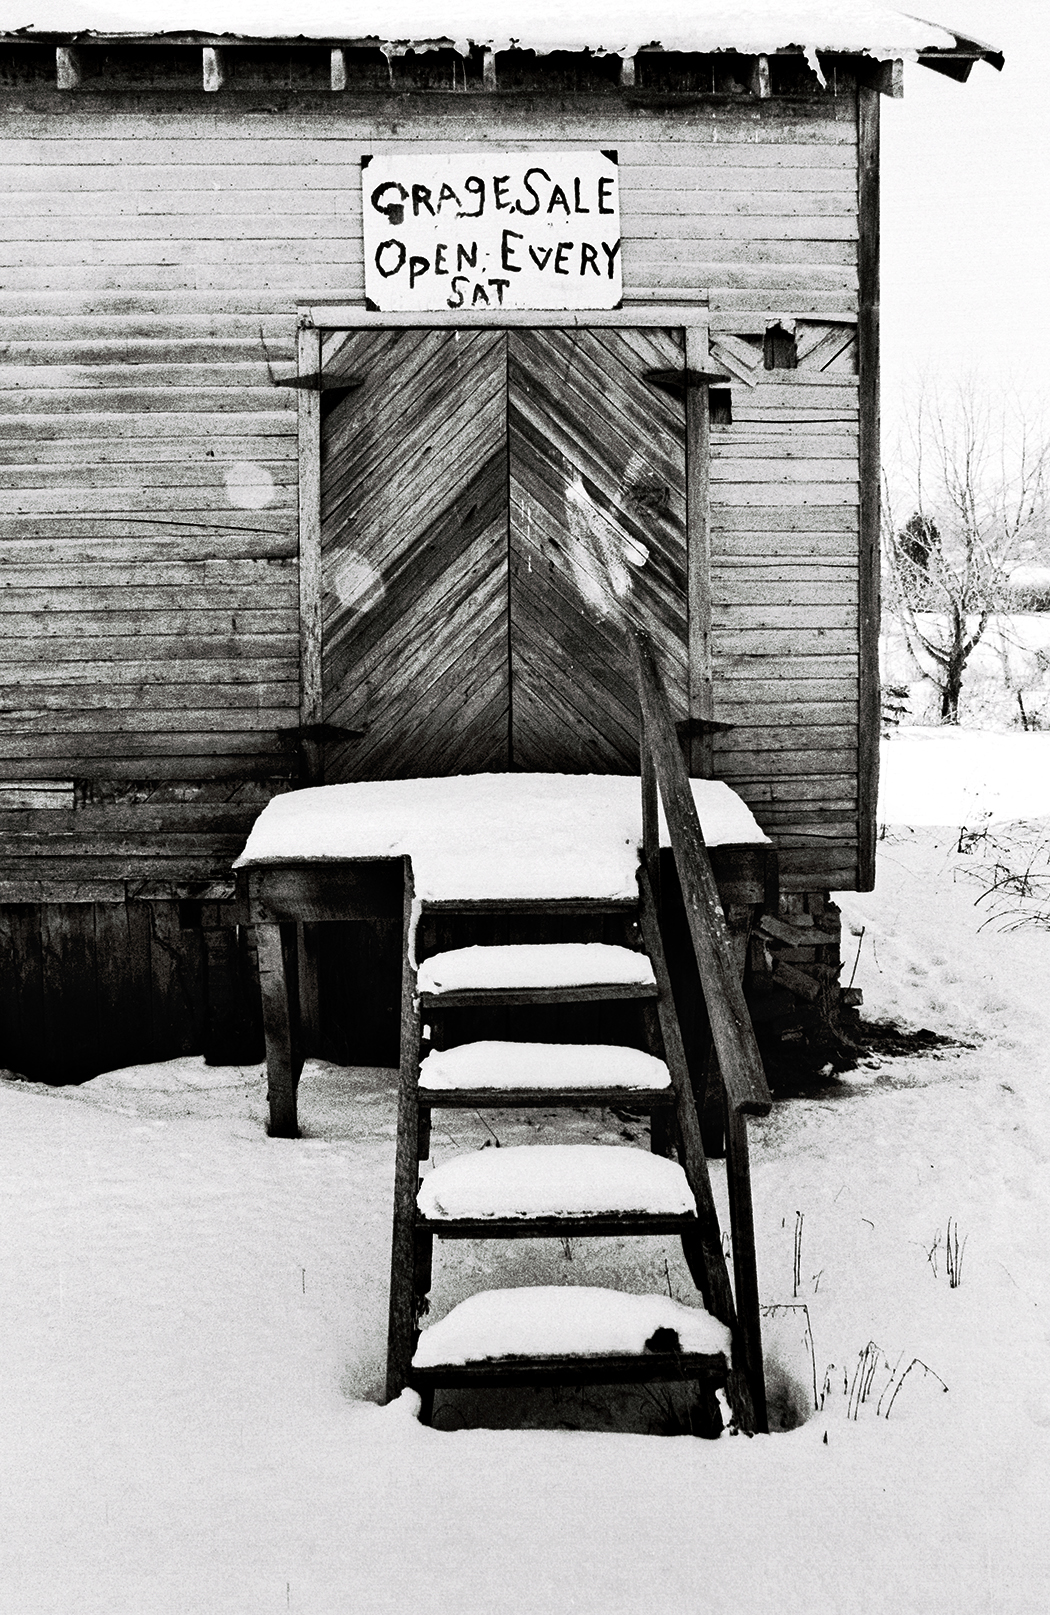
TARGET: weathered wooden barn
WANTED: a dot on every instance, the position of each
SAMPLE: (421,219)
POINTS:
(276,511)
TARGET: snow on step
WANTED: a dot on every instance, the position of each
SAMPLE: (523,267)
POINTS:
(546,964)
(564,1321)
(480,836)
(554,1180)
(542,1066)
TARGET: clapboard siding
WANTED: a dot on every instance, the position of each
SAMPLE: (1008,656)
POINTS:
(150,619)
(155,389)
(70,166)
(238,381)
(152,264)
(785,513)
(75,704)
(766,182)
(127,349)
(195,719)
(206,218)
(170,302)
(189,668)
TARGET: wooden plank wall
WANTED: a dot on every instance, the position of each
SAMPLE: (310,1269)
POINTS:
(784,583)
(153,253)
(88,987)
(148,470)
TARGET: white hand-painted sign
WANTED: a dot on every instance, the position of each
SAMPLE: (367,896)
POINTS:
(534,230)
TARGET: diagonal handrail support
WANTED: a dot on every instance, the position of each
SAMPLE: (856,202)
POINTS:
(740,1064)
(747,1092)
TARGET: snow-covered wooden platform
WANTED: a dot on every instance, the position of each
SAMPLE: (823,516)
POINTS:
(477,837)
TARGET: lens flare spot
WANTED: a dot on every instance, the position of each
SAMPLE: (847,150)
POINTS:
(249,486)
(355,582)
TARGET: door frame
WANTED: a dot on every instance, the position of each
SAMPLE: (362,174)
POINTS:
(700,371)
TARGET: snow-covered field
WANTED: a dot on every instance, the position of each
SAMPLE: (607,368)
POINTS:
(193,1319)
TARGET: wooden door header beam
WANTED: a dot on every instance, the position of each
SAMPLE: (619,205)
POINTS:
(346,316)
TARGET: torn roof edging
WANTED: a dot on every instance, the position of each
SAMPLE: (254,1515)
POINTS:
(611,27)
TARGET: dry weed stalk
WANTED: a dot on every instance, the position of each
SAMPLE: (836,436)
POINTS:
(954,1253)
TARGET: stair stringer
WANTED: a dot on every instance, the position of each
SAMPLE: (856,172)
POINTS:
(411,1249)
(702,1249)
(406,1301)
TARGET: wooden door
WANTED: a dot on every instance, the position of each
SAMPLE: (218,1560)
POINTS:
(495,507)
(597,539)
(414,554)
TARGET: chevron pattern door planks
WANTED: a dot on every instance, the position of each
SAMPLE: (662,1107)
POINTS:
(414,555)
(495,506)
(597,538)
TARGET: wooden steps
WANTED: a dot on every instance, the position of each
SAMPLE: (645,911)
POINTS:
(554,1191)
(505,1021)
(501,1074)
(557,1191)
(550,1336)
(534,973)
(571,1369)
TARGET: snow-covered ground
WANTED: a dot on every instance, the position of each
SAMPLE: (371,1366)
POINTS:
(192,1334)
(958,777)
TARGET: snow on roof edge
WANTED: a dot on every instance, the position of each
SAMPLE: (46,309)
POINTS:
(610,27)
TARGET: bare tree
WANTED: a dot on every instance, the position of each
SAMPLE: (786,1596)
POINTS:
(972,473)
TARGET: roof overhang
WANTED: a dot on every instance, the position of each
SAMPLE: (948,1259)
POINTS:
(957,63)
(599,27)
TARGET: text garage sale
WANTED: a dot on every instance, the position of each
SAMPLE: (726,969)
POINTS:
(528,230)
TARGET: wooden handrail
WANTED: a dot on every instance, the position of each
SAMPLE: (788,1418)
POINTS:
(743,1076)
(664,775)
(703,1248)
